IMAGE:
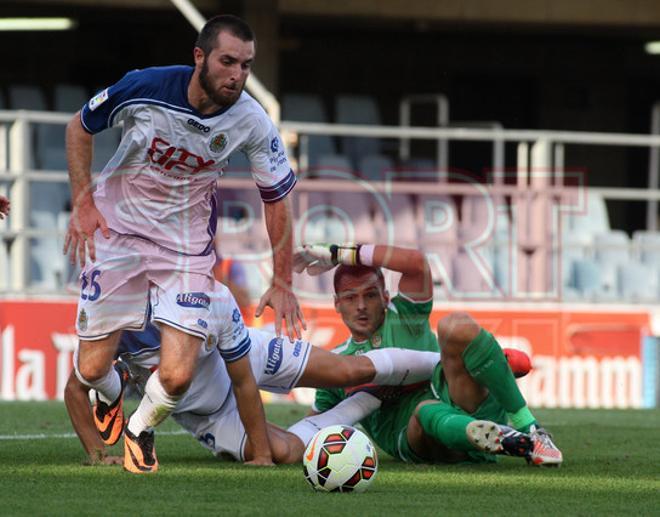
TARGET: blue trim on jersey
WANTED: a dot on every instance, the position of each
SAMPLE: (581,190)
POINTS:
(186,330)
(137,342)
(162,86)
(213,223)
(279,190)
(237,352)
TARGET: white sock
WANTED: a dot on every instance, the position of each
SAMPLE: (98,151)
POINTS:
(348,412)
(397,366)
(107,387)
(155,406)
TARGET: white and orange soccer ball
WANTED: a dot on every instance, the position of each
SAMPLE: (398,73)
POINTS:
(340,459)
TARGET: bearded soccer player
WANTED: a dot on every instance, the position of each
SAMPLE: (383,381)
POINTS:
(463,414)
(144,234)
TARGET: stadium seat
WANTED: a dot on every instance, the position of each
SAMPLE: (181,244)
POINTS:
(51,152)
(647,247)
(472,274)
(587,280)
(30,97)
(375,167)
(592,219)
(333,166)
(69,98)
(396,220)
(611,249)
(309,108)
(26,97)
(362,110)
(45,263)
(637,282)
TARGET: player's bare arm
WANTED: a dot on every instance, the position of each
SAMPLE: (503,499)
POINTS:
(4,207)
(416,281)
(85,217)
(280,295)
(76,398)
(251,411)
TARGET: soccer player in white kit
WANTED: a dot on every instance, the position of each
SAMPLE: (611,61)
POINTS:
(144,234)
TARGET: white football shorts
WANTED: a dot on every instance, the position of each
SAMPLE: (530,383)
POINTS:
(129,274)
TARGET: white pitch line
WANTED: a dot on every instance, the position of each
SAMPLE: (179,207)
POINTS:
(6,437)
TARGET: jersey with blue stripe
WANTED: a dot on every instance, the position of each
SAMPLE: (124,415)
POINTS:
(227,331)
(160,184)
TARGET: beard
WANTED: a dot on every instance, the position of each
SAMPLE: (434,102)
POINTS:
(214,95)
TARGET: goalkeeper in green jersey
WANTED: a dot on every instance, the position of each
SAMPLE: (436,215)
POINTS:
(471,410)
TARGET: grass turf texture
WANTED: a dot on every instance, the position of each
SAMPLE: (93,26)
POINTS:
(611,467)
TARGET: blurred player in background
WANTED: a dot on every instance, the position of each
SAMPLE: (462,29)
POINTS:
(214,408)
(4,207)
(463,414)
(144,234)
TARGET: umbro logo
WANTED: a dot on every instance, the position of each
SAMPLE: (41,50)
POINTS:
(197,125)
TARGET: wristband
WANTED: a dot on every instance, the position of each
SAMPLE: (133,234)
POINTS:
(366,254)
(348,254)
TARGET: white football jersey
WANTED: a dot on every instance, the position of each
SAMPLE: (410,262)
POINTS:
(161,182)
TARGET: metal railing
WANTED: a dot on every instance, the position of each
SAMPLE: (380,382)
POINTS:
(538,178)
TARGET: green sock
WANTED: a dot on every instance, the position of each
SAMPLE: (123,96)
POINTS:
(486,362)
(446,425)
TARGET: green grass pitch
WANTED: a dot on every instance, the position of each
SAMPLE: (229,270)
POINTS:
(612,467)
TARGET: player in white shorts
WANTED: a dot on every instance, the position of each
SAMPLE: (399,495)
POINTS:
(209,409)
(144,233)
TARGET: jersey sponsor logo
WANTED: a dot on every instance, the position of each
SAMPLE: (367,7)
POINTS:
(218,142)
(169,157)
(274,360)
(198,125)
(193,300)
(98,99)
(296,348)
(274,145)
(236,316)
(202,323)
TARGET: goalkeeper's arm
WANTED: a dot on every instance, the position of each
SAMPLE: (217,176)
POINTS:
(416,282)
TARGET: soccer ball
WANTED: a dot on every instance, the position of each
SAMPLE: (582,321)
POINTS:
(340,459)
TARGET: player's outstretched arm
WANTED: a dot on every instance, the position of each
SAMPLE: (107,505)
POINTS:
(280,297)
(76,398)
(85,217)
(416,281)
(251,411)
(4,207)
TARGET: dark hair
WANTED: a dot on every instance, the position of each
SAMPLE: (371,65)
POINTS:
(343,270)
(208,36)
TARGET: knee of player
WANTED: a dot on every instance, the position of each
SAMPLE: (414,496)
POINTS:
(456,331)
(92,372)
(354,370)
(174,383)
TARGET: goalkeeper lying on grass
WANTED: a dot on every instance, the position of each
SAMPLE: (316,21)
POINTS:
(463,414)
(219,428)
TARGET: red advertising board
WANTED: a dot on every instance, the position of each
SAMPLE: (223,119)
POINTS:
(582,356)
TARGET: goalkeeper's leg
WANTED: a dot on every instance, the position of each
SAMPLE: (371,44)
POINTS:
(474,364)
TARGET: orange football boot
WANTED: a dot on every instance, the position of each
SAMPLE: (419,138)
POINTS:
(109,418)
